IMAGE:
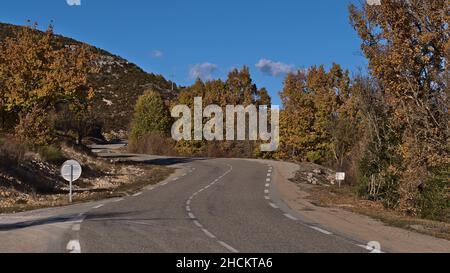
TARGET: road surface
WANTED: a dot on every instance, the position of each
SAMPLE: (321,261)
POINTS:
(208,206)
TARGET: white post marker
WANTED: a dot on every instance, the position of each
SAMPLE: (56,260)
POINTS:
(340,177)
(71,171)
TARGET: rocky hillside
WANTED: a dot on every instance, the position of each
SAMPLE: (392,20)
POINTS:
(118,84)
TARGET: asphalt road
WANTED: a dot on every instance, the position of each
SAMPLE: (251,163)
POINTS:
(211,206)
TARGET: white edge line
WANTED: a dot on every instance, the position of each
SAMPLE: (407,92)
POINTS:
(225,245)
(321,230)
(209,234)
(290,217)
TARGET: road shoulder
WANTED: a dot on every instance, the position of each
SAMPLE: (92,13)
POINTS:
(348,224)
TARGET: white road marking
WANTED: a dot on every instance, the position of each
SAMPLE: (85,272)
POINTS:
(119,200)
(268,180)
(290,217)
(267,197)
(268,175)
(209,234)
(76,227)
(266,191)
(267,185)
(74,246)
(270,170)
(175,179)
(273,206)
(321,230)
(98,206)
(197,223)
(137,194)
(225,245)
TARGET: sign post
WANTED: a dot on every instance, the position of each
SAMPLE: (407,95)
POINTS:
(340,177)
(71,171)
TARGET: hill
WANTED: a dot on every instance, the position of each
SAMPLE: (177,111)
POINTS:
(117,86)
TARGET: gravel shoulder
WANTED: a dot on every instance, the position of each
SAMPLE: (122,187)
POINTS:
(349,224)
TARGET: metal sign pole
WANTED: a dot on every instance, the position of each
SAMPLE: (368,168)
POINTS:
(71,180)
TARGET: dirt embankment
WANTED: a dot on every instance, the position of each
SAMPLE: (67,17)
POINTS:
(27,182)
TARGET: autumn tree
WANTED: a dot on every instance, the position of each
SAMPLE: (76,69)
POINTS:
(151,115)
(406,44)
(317,107)
(38,71)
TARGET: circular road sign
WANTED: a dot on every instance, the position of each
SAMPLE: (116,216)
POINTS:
(71,170)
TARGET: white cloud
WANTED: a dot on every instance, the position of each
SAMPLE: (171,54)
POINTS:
(157,54)
(73,2)
(274,68)
(203,71)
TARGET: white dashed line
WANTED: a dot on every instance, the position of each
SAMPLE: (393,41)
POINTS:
(273,206)
(119,200)
(209,234)
(268,180)
(196,222)
(269,175)
(290,217)
(321,230)
(137,194)
(267,197)
(76,227)
(74,246)
(267,185)
(225,245)
(266,191)
(270,170)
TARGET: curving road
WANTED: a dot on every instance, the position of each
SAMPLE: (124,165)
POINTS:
(208,206)
(213,206)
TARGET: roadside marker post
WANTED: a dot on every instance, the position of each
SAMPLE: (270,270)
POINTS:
(71,171)
(340,177)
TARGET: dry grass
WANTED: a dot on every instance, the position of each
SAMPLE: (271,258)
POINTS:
(149,175)
(347,198)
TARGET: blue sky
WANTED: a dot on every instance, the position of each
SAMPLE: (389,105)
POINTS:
(182,39)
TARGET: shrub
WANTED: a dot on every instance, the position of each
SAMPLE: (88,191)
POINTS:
(434,200)
(11,152)
(50,154)
(154,144)
(36,128)
(151,116)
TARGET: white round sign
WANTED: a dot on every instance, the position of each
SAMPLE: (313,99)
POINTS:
(71,170)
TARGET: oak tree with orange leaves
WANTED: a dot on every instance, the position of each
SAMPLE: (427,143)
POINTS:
(38,72)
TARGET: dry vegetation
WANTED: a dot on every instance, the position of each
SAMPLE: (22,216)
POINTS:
(346,197)
(27,182)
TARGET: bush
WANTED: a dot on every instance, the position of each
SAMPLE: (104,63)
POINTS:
(50,154)
(434,200)
(154,144)
(11,152)
(151,116)
(36,128)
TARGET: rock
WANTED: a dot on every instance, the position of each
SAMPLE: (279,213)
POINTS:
(317,171)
